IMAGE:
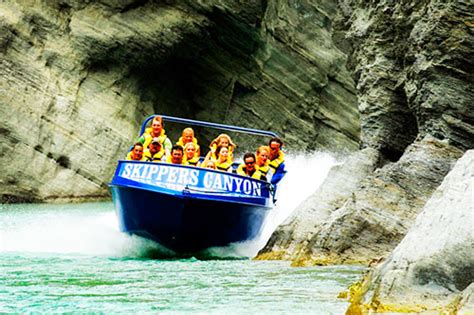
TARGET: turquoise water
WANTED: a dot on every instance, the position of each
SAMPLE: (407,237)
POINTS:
(72,258)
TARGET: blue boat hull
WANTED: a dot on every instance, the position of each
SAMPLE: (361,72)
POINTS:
(186,224)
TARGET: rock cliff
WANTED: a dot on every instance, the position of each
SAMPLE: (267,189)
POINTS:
(78,77)
(411,64)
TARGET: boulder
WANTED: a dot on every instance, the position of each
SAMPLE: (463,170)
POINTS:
(433,266)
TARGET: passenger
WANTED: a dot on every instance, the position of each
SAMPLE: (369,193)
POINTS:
(276,156)
(249,167)
(262,159)
(211,165)
(188,136)
(155,151)
(156,131)
(136,154)
(190,154)
(176,156)
(222,140)
(222,162)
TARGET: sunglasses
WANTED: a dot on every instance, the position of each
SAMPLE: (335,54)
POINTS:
(249,163)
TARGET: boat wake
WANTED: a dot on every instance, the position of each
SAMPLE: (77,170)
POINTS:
(92,228)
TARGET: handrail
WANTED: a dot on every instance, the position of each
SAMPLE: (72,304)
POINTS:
(209,124)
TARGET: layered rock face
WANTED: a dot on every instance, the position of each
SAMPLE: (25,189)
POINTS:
(78,77)
(412,68)
(433,266)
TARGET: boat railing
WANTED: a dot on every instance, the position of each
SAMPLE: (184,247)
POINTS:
(209,124)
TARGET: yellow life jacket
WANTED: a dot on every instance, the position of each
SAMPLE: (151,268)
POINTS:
(277,161)
(197,153)
(194,161)
(265,168)
(241,170)
(224,166)
(129,157)
(147,137)
(155,158)
(257,174)
(183,162)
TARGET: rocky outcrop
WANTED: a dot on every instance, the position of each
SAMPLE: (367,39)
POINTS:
(366,218)
(410,62)
(433,266)
(78,78)
(290,241)
(415,94)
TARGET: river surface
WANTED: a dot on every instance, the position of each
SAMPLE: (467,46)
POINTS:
(71,258)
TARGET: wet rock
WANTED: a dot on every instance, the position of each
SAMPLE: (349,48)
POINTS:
(433,266)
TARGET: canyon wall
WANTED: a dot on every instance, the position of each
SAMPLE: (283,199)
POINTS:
(78,77)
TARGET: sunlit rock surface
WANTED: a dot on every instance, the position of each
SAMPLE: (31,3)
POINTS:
(78,77)
(433,266)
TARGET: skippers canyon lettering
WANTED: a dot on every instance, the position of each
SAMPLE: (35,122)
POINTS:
(172,176)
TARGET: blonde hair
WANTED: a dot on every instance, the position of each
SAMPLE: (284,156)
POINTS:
(188,129)
(263,147)
(219,137)
(188,144)
(210,162)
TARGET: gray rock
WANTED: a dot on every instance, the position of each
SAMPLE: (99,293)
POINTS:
(290,240)
(410,62)
(374,213)
(78,77)
(433,266)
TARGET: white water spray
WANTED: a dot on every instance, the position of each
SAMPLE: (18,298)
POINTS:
(305,174)
(92,229)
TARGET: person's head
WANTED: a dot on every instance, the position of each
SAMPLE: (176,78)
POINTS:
(155,145)
(137,151)
(211,165)
(223,140)
(262,155)
(249,160)
(157,125)
(187,135)
(189,150)
(222,153)
(177,154)
(275,145)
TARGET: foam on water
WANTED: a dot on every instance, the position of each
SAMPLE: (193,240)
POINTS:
(92,229)
(89,229)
